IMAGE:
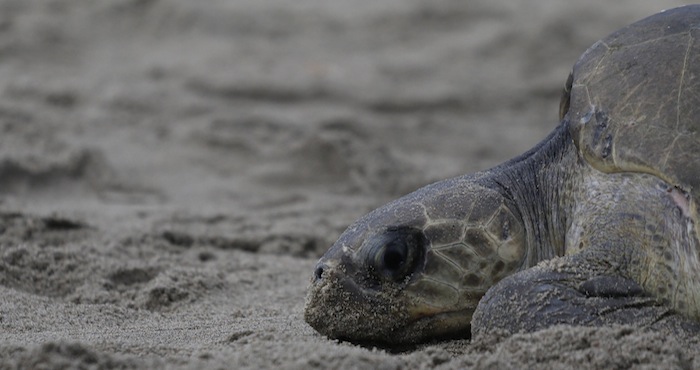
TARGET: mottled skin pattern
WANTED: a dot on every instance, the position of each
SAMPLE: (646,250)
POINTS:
(596,225)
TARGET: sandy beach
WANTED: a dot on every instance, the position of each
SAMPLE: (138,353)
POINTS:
(171,170)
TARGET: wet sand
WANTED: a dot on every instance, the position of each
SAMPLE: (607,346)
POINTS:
(171,170)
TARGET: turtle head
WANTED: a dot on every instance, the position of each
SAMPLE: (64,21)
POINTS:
(416,268)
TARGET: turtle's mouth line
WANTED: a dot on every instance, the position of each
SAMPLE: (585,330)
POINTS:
(418,316)
(443,324)
(358,292)
(424,315)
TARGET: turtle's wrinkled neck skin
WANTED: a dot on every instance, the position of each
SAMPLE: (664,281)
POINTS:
(417,267)
(538,186)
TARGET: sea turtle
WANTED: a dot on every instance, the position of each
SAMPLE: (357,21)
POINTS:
(596,224)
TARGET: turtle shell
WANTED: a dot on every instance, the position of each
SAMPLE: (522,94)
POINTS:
(633,100)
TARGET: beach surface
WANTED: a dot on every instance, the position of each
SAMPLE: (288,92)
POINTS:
(171,170)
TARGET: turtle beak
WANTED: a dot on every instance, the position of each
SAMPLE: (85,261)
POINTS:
(334,274)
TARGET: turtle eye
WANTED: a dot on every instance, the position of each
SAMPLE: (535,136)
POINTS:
(396,253)
(394,256)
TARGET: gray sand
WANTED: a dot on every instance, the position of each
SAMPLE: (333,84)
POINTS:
(172,169)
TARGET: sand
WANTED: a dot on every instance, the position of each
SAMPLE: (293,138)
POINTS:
(171,169)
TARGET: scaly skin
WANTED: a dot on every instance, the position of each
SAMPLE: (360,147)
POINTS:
(632,224)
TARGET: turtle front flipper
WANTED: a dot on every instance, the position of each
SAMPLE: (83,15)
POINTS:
(571,291)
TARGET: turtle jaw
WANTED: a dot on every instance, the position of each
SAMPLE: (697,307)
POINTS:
(340,308)
(443,324)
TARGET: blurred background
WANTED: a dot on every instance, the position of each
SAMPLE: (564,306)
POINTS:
(272,122)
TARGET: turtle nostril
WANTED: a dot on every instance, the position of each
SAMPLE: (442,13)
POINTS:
(318,273)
